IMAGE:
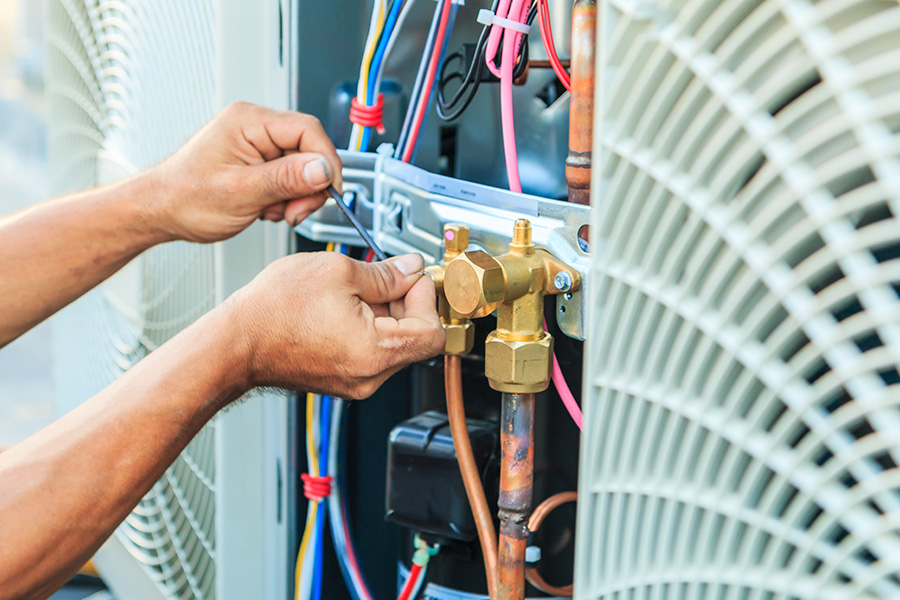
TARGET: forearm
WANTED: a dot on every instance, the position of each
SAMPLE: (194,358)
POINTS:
(52,253)
(64,490)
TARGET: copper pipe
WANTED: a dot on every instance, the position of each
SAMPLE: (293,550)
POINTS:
(581,107)
(534,523)
(516,491)
(484,522)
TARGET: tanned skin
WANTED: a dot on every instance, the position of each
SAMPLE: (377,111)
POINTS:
(318,322)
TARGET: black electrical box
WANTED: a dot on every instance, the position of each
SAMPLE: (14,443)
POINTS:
(425,490)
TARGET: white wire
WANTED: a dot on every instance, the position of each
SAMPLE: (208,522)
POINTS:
(394,34)
(335,517)
(379,6)
(419,581)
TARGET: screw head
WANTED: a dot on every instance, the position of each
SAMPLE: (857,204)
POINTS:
(562,281)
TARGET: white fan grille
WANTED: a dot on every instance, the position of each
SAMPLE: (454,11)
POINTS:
(742,420)
(129,81)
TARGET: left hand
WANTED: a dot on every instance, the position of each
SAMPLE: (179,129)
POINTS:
(248,163)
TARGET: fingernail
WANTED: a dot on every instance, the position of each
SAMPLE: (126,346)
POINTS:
(409,263)
(316,173)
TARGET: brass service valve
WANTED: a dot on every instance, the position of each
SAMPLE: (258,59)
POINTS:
(518,353)
(459,331)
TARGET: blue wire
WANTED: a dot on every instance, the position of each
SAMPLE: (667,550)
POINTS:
(377,59)
(323,506)
(420,76)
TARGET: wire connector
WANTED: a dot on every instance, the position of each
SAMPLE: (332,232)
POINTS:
(368,116)
(316,489)
(487,17)
(423,552)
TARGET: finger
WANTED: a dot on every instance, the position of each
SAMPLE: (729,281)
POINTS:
(275,212)
(292,177)
(299,209)
(298,131)
(417,336)
(381,310)
(383,282)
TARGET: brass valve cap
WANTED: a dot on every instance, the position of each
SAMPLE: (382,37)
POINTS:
(456,238)
(475,284)
(460,338)
(518,367)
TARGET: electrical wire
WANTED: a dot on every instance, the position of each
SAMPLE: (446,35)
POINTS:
(340,530)
(419,83)
(425,99)
(376,24)
(471,79)
(324,431)
(375,69)
(549,45)
(484,522)
(303,570)
(565,394)
(415,574)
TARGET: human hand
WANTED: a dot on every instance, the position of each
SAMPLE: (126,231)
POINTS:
(327,323)
(249,162)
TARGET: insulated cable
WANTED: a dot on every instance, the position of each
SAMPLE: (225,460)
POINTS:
(534,523)
(550,46)
(424,101)
(484,522)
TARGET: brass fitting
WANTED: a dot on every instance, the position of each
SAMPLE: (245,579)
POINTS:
(459,331)
(518,353)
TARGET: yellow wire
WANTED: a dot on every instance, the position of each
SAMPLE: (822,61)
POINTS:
(314,506)
(368,55)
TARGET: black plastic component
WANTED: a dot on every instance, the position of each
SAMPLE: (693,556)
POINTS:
(424,487)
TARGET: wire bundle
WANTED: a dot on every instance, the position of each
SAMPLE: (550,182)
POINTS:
(366,110)
(550,46)
(435,47)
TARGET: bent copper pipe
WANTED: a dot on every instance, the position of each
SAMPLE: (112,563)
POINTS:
(516,491)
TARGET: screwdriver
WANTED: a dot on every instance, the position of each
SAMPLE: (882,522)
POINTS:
(359,226)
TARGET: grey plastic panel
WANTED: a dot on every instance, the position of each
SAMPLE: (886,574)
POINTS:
(741,399)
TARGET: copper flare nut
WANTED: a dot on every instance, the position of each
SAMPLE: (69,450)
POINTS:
(518,367)
(460,338)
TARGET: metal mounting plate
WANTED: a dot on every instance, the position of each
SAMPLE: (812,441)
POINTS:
(406,208)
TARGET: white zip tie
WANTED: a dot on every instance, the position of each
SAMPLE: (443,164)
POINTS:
(487,17)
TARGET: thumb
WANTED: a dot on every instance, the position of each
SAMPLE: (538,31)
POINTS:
(294,176)
(386,281)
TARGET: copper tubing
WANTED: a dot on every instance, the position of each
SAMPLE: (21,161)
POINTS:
(534,523)
(471,478)
(516,491)
(581,107)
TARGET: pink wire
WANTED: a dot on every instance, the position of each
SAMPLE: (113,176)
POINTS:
(494,38)
(562,388)
(511,41)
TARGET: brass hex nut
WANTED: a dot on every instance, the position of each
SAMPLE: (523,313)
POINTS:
(456,238)
(475,284)
(460,339)
(518,367)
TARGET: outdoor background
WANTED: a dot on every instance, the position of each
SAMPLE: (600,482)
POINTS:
(25,386)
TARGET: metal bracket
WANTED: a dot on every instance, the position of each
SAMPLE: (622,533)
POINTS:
(406,208)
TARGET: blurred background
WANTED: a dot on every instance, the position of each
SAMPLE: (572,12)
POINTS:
(25,385)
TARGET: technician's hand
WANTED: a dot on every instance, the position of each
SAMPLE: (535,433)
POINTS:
(248,163)
(327,323)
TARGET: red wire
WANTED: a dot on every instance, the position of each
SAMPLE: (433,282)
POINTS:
(550,46)
(351,555)
(370,256)
(429,78)
(410,582)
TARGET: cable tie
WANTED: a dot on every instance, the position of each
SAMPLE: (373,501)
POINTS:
(368,116)
(487,17)
(316,489)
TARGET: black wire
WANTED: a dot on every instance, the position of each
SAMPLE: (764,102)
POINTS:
(451,109)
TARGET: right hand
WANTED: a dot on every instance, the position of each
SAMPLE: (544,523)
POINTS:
(326,323)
